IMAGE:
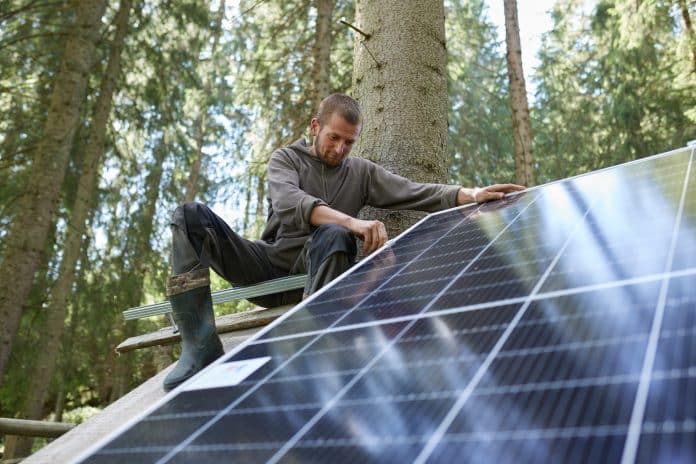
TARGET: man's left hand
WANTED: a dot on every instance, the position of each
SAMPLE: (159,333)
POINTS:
(484,194)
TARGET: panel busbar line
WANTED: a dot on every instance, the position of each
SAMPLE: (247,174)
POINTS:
(556,325)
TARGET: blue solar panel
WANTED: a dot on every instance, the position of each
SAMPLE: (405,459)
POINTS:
(558,325)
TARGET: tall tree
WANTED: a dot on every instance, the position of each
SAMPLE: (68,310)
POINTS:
(200,126)
(321,52)
(690,34)
(45,364)
(25,240)
(480,134)
(31,47)
(596,105)
(400,79)
(521,122)
(278,84)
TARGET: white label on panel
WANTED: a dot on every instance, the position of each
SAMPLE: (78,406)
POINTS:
(225,374)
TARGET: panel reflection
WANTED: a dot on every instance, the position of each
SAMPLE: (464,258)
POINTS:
(408,335)
(568,373)
(628,234)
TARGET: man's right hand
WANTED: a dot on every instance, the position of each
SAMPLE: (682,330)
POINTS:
(372,233)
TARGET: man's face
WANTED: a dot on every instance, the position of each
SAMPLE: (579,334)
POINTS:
(333,140)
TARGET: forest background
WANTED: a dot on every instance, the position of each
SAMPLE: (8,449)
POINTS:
(116,111)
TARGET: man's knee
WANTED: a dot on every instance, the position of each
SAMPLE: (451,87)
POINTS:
(184,255)
(179,217)
(189,215)
(333,235)
(332,251)
(188,225)
(329,239)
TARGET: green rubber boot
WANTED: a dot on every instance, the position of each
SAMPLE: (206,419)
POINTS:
(200,344)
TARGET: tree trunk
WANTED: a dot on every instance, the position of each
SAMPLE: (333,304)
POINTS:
(400,79)
(146,220)
(247,204)
(521,123)
(690,35)
(123,369)
(194,175)
(59,407)
(14,447)
(260,215)
(141,233)
(321,53)
(27,235)
(8,147)
(68,346)
(45,364)
(202,119)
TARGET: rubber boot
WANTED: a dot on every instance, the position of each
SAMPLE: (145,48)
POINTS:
(200,344)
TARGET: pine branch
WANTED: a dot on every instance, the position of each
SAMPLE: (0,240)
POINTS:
(32,5)
(9,43)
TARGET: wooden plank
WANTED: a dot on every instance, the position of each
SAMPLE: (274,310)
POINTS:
(33,428)
(227,323)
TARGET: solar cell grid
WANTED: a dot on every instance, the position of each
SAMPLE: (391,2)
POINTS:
(630,235)
(332,312)
(670,426)
(686,244)
(547,327)
(581,445)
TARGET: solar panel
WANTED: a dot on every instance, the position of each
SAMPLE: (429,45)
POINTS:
(557,325)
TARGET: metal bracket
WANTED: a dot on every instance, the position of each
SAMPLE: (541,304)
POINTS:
(174,326)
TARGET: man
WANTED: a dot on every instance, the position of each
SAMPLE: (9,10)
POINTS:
(315,194)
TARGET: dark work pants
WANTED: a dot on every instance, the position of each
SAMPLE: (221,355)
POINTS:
(200,238)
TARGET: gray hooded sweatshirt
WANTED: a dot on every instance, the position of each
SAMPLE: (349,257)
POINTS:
(298,181)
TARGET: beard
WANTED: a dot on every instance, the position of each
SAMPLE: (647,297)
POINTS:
(327,157)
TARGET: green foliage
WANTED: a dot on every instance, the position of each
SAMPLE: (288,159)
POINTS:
(612,86)
(80,415)
(480,131)
(270,48)
(240,89)
(31,42)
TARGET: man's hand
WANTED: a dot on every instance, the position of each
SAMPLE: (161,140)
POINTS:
(372,233)
(484,194)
